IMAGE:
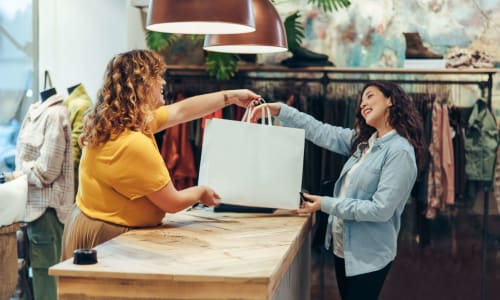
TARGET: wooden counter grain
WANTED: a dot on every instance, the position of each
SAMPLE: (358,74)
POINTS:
(199,255)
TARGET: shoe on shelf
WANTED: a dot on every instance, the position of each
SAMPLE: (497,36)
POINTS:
(294,62)
(306,54)
(303,57)
(481,59)
(459,58)
(415,47)
(465,58)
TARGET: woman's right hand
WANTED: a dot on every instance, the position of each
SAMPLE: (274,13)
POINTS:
(210,197)
(274,108)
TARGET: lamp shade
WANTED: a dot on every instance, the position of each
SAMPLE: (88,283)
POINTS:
(201,16)
(269,35)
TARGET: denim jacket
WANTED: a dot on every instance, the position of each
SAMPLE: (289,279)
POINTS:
(375,197)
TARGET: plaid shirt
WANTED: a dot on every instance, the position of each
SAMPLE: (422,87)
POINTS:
(43,152)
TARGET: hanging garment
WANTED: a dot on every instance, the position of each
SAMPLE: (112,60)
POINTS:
(44,154)
(496,185)
(424,103)
(448,163)
(177,152)
(493,197)
(458,154)
(435,172)
(441,176)
(78,104)
(481,140)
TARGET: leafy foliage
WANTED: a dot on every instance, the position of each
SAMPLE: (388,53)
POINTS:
(159,41)
(329,5)
(294,31)
(221,65)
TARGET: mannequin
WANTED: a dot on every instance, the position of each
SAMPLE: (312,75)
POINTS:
(44,95)
(49,168)
(72,88)
(78,103)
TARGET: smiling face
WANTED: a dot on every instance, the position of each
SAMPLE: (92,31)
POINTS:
(375,109)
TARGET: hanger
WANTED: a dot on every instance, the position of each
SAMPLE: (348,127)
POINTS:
(51,91)
(72,88)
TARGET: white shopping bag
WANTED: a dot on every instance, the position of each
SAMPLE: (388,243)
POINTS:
(253,164)
(13,198)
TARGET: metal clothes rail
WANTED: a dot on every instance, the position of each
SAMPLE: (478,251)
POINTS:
(483,78)
(325,75)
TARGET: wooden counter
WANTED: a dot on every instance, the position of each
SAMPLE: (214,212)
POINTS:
(199,255)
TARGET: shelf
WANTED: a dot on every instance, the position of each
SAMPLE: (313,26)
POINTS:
(267,68)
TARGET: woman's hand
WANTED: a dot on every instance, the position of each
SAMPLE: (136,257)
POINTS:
(242,97)
(311,204)
(209,197)
(274,108)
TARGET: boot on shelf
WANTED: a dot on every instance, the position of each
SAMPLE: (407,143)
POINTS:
(306,54)
(415,47)
(303,57)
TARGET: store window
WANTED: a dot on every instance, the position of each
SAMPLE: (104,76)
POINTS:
(18,61)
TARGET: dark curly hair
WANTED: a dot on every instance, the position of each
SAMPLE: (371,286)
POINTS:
(125,100)
(403,117)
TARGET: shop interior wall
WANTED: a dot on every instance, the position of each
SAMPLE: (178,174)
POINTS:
(77,38)
(369,34)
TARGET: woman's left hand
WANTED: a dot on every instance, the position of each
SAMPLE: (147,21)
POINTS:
(311,204)
(242,97)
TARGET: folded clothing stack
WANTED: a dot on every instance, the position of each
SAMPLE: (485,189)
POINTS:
(465,58)
(306,58)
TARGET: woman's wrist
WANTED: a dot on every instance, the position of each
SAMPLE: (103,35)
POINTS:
(226,98)
(275,108)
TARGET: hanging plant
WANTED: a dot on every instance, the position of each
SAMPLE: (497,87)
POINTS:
(222,65)
(159,41)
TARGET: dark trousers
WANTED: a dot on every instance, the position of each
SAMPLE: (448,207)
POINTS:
(44,236)
(360,287)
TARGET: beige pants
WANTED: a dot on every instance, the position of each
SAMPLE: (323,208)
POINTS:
(8,260)
(82,232)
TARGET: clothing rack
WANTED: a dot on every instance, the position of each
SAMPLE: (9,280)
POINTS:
(323,75)
(483,78)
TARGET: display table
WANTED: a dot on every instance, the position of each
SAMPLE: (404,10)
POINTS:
(199,254)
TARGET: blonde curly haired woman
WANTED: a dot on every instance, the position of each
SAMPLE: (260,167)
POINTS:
(123,180)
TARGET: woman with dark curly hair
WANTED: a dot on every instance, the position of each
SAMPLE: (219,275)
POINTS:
(123,180)
(373,187)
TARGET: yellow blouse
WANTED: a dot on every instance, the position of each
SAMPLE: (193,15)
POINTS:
(115,178)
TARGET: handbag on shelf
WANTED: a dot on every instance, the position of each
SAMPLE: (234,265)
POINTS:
(255,165)
(13,198)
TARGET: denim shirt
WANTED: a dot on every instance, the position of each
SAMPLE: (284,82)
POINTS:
(375,197)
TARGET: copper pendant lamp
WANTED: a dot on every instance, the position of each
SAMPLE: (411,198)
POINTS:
(201,16)
(269,35)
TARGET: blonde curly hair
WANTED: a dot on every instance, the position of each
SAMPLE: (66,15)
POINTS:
(125,101)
